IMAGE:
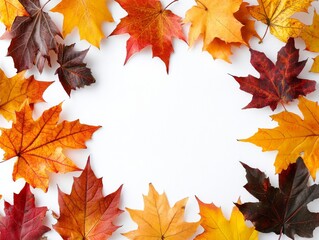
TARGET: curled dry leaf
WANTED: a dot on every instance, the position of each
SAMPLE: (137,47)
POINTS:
(86,213)
(38,144)
(282,210)
(159,221)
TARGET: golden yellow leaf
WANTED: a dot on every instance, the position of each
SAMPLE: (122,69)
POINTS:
(310,34)
(87,15)
(315,65)
(293,137)
(158,221)
(9,9)
(217,227)
(16,90)
(277,15)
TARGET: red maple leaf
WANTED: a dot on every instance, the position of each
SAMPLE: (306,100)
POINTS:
(23,220)
(149,25)
(278,83)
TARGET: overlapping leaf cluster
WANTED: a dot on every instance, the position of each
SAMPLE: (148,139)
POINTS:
(38,145)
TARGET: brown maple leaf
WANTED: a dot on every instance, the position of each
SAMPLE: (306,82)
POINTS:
(149,24)
(278,83)
(159,220)
(16,90)
(23,220)
(32,37)
(86,213)
(39,144)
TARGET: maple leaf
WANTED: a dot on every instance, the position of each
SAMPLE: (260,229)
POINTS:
(9,9)
(277,83)
(149,25)
(218,228)
(310,36)
(159,220)
(72,72)
(39,144)
(87,16)
(277,15)
(23,219)
(16,90)
(293,137)
(32,37)
(85,213)
(281,210)
(315,65)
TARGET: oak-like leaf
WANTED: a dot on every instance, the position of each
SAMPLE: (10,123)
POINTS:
(86,213)
(23,220)
(73,72)
(159,221)
(15,90)
(32,37)
(9,10)
(278,83)
(217,227)
(38,144)
(293,137)
(282,210)
(149,24)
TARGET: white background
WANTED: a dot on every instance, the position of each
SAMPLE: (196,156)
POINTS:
(178,131)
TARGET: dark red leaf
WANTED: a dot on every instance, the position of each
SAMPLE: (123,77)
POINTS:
(72,72)
(277,83)
(282,210)
(23,220)
(32,37)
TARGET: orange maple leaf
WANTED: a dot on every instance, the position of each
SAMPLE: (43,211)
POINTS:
(159,220)
(149,25)
(85,213)
(18,89)
(39,144)
(9,10)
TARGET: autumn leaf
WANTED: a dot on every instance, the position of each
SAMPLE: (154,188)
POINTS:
(38,145)
(16,90)
(277,15)
(86,213)
(293,137)
(310,34)
(282,210)
(9,10)
(278,83)
(149,24)
(85,15)
(159,221)
(218,228)
(23,219)
(32,37)
(72,72)
(315,65)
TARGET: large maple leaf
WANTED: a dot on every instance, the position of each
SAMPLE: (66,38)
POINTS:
(86,213)
(282,210)
(277,15)
(159,220)
(39,144)
(32,37)
(9,10)
(73,72)
(16,90)
(278,83)
(149,25)
(23,220)
(87,15)
(293,137)
(217,227)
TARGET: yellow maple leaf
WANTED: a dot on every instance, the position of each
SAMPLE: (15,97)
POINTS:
(214,19)
(310,34)
(159,220)
(16,90)
(87,15)
(294,137)
(315,65)
(9,9)
(217,227)
(276,14)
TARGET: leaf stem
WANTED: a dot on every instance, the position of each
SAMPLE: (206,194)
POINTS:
(280,234)
(261,40)
(169,4)
(45,4)
(198,1)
